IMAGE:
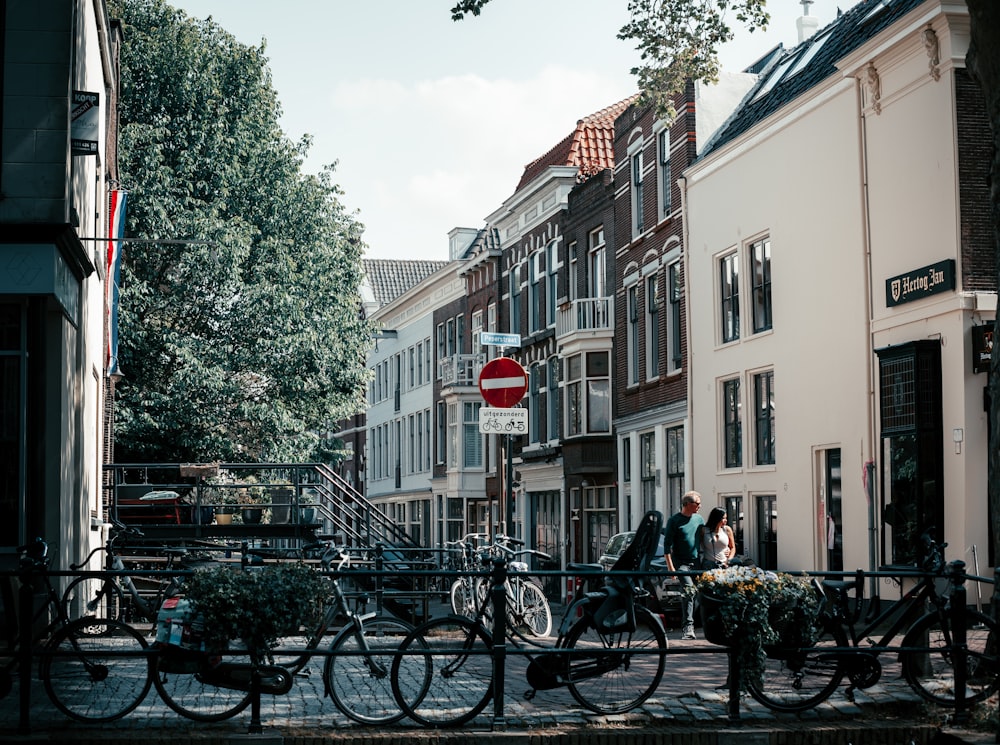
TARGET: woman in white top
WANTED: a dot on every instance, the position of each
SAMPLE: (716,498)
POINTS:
(717,543)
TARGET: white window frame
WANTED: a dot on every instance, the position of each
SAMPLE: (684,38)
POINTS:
(653,297)
(597,262)
(636,191)
(664,177)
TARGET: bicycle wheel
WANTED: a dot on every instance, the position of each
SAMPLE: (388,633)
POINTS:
(615,672)
(535,610)
(798,679)
(96,678)
(932,674)
(463,600)
(358,673)
(443,674)
(191,696)
(95,596)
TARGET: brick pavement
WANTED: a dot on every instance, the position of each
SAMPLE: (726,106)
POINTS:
(687,709)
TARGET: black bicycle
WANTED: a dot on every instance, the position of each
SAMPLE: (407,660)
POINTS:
(796,679)
(610,652)
(90,677)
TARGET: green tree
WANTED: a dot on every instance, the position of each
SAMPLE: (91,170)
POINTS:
(240,331)
(679,40)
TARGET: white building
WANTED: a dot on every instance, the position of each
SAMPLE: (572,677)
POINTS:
(838,264)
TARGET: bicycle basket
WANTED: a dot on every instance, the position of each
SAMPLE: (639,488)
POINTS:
(517,567)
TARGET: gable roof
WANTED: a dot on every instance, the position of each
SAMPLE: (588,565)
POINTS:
(590,147)
(787,76)
(390,278)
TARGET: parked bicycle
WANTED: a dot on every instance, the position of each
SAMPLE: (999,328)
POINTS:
(798,679)
(104,593)
(527,607)
(463,558)
(355,675)
(610,651)
(91,678)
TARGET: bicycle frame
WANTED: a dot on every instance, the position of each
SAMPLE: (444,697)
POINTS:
(907,609)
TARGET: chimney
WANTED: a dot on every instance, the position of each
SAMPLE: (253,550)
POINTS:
(807,24)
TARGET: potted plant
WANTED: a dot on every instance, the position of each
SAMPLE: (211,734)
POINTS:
(224,499)
(281,493)
(256,607)
(748,609)
(307,506)
(252,497)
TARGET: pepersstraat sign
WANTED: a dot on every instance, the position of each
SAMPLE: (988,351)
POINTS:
(920,283)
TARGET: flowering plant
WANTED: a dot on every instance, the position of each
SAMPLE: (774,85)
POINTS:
(749,609)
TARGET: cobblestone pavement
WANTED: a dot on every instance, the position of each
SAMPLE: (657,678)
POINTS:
(690,707)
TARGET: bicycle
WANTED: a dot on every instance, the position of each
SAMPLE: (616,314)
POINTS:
(527,607)
(799,678)
(355,675)
(462,591)
(104,593)
(610,651)
(89,678)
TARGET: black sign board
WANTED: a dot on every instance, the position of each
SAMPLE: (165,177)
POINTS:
(920,283)
(85,123)
(982,347)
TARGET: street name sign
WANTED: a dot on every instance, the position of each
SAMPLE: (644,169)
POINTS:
(493,339)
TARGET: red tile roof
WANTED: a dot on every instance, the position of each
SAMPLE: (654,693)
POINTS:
(590,147)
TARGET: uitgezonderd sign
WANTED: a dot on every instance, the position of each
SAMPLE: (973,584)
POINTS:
(920,283)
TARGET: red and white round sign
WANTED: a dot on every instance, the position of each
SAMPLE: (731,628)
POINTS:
(503,382)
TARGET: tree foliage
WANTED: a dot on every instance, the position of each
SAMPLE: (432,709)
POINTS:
(240,332)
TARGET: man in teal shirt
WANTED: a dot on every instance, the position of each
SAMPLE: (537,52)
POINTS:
(680,546)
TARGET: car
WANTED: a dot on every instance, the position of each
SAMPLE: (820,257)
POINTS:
(665,593)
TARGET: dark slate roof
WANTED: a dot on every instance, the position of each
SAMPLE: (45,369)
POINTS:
(590,147)
(390,278)
(808,64)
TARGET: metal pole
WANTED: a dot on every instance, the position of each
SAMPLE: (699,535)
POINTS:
(509,490)
(499,593)
(960,650)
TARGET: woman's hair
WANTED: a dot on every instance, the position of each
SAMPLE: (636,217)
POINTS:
(714,518)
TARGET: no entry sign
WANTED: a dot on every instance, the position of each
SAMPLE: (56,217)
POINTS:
(503,382)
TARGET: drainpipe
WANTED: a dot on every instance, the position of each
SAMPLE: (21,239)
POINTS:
(689,419)
(868,453)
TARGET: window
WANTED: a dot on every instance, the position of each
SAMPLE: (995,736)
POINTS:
(472,439)
(763,397)
(428,361)
(552,401)
(647,474)
(413,364)
(637,196)
(675,292)
(411,459)
(419,463)
(663,159)
(588,394)
(626,460)
(571,292)
(452,436)
(633,335)
(460,334)
(574,395)
(731,424)
(734,511)
(760,259)
(477,328)
(598,392)
(449,338)
(535,384)
(597,266)
(536,277)
(442,441)
(767,527)
(675,468)
(729,292)
(652,327)
(420,363)
(515,299)
(442,350)
(552,264)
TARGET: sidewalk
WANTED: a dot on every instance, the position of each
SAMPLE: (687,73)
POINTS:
(688,709)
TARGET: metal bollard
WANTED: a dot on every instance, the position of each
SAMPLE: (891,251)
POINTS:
(499,594)
(960,649)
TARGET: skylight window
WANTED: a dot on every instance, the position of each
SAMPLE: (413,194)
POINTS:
(806,57)
(776,75)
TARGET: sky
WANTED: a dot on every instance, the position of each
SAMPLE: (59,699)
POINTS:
(431,121)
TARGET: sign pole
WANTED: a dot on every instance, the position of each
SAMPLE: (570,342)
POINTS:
(509,515)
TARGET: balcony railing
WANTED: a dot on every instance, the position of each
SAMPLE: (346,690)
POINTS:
(586,314)
(461,369)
